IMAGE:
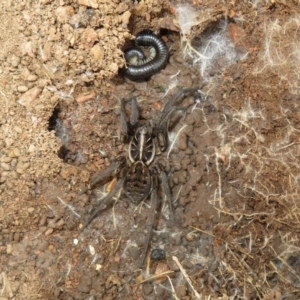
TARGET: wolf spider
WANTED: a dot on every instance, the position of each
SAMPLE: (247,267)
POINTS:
(138,175)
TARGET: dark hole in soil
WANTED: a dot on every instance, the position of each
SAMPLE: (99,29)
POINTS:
(53,119)
(55,123)
(63,152)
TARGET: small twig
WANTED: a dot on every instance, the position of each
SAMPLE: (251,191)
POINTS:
(154,277)
(185,276)
(174,141)
(6,285)
(173,290)
(70,207)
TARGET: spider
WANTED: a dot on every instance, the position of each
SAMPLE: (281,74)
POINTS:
(139,174)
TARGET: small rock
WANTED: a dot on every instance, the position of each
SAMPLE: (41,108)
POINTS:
(15,152)
(31,209)
(15,61)
(5,166)
(18,129)
(24,159)
(32,77)
(9,248)
(22,88)
(43,220)
(6,159)
(89,3)
(8,142)
(85,97)
(21,167)
(3,179)
(97,52)
(31,148)
(17,236)
(28,98)
(14,175)
(125,18)
(84,284)
(182,141)
(88,38)
(147,288)
(48,231)
(161,268)
(27,48)
(63,13)
(59,223)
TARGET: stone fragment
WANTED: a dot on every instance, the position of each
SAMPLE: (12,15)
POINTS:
(22,88)
(97,52)
(88,3)
(89,37)
(85,97)
(28,98)
(32,77)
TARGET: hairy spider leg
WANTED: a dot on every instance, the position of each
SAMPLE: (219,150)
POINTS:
(105,202)
(151,218)
(124,127)
(170,107)
(112,170)
(134,115)
(166,187)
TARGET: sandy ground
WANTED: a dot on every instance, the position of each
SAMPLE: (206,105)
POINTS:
(232,162)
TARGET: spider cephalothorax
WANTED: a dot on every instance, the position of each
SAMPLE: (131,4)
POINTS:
(139,175)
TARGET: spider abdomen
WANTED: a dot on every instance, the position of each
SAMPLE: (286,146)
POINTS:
(137,185)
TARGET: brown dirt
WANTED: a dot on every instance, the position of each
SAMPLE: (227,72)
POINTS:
(233,168)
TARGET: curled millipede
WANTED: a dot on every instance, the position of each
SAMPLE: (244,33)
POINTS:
(141,66)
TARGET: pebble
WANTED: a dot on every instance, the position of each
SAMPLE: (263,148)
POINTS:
(3,179)
(9,248)
(63,13)
(89,3)
(85,97)
(97,52)
(15,61)
(84,284)
(5,166)
(48,231)
(14,175)
(6,159)
(21,167)
(161,268)
(31,148)
(89,38)
(59,223)
(147,288)
(14,162)
(43,220)
(15,152)
(22,88)
(32,77)
(17,236)
(28,98)
(18,129)
(182,141)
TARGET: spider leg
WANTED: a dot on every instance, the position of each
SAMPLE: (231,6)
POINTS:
(124,127)
(105,202)
(134,116)
(173,103)
(165,184)
(171,106)
(150,220)
(113,169)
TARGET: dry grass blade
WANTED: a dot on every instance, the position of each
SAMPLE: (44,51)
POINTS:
(185,275)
